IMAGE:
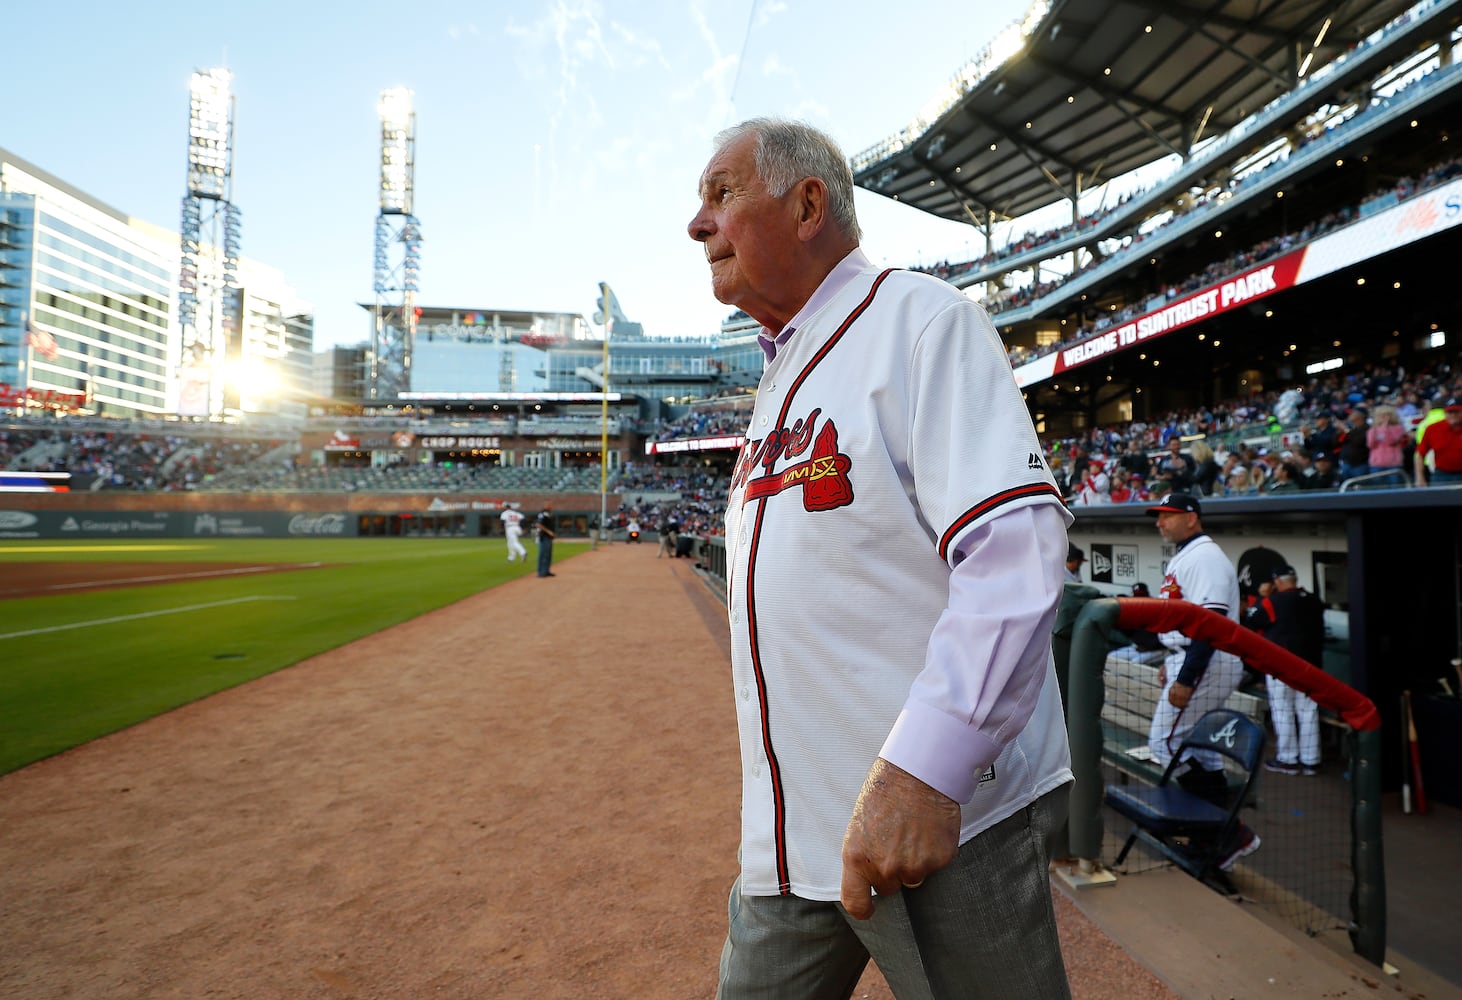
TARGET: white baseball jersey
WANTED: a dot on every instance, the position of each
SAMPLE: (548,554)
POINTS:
(1198,573)
(512,520)
(885,430)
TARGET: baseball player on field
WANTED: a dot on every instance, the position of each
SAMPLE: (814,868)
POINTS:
(895,548)
(513,528)
(1195,677)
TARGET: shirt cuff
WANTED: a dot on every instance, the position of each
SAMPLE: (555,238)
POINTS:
(939,750)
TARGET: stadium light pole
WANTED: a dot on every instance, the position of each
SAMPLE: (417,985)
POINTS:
(604,422)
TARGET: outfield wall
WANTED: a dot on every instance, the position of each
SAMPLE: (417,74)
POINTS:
(104,514)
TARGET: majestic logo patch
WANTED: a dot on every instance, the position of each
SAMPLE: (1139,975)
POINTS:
(823,475)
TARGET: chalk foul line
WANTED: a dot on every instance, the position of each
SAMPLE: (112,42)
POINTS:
(144,614)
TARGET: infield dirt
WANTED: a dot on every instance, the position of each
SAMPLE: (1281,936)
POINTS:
(42,579)
(531,793)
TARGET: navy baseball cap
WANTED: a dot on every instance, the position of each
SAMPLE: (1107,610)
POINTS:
(1073,552)
(1452,405)
(1284,571)
(1176,503)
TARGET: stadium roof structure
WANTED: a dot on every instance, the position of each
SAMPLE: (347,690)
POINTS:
(1083,91)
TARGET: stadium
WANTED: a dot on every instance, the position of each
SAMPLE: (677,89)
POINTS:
(1203,228)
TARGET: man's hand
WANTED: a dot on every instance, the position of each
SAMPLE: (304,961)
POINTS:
(901,831)
(1179,695)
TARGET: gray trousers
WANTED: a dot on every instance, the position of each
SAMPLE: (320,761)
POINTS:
(981,929)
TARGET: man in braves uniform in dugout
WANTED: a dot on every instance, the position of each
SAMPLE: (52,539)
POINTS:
(1195,677)
(895,549)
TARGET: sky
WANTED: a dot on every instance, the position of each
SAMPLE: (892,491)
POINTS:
(558,142)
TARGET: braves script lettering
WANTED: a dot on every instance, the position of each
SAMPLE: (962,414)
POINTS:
(823,476)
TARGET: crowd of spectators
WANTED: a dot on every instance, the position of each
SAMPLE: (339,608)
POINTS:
(124,460)
(698,506)
(698,424)
(1313,436)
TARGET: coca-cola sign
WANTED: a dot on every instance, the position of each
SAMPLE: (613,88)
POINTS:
(317,524)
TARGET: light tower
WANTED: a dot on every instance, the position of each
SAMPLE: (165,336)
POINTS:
(209,300)
(397,278)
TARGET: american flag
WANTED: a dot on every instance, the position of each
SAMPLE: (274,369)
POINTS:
(42,342)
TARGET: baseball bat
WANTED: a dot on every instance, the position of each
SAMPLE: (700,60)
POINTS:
(1419,789)
(1405,762)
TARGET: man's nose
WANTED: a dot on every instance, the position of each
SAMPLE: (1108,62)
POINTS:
(700,227)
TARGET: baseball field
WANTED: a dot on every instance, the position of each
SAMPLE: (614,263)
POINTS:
(504,787)
(99,635)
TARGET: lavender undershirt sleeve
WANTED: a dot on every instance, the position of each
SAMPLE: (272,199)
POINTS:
(988,654)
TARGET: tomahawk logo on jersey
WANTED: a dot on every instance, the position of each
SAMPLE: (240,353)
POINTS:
(823,476)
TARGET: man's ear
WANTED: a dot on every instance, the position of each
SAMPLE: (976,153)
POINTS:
(812,212)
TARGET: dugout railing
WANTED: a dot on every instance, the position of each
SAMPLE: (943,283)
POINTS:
(1320,866)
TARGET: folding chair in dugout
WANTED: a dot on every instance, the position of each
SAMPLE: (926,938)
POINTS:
(1189,830)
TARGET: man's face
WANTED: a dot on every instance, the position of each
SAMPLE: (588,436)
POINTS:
(1454,417)
(1176,526)
(748,235)
(1174,446)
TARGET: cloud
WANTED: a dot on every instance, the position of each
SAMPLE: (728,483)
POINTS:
(772,65)
(767,11)
(642,48)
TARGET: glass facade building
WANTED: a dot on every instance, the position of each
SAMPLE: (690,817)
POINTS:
(86,298)
(88,306)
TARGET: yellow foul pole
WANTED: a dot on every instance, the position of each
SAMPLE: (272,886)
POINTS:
(604,421)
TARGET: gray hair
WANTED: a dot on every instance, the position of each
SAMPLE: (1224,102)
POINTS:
(787,151)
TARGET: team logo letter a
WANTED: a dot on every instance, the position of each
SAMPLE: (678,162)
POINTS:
(828,486)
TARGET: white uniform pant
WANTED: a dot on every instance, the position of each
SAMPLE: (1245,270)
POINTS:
(1171,725)
(1288,707)
(515,546)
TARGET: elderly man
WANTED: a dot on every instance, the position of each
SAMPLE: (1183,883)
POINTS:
(895,547)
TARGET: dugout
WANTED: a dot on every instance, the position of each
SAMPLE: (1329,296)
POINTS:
(1387,563)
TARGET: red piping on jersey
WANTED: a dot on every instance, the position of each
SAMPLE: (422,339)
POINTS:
(774,768)
(985,506)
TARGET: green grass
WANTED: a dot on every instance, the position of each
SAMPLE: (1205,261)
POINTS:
(77,666)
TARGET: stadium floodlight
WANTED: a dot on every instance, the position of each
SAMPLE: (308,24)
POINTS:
(398,142)
(255,378)
(210,134)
